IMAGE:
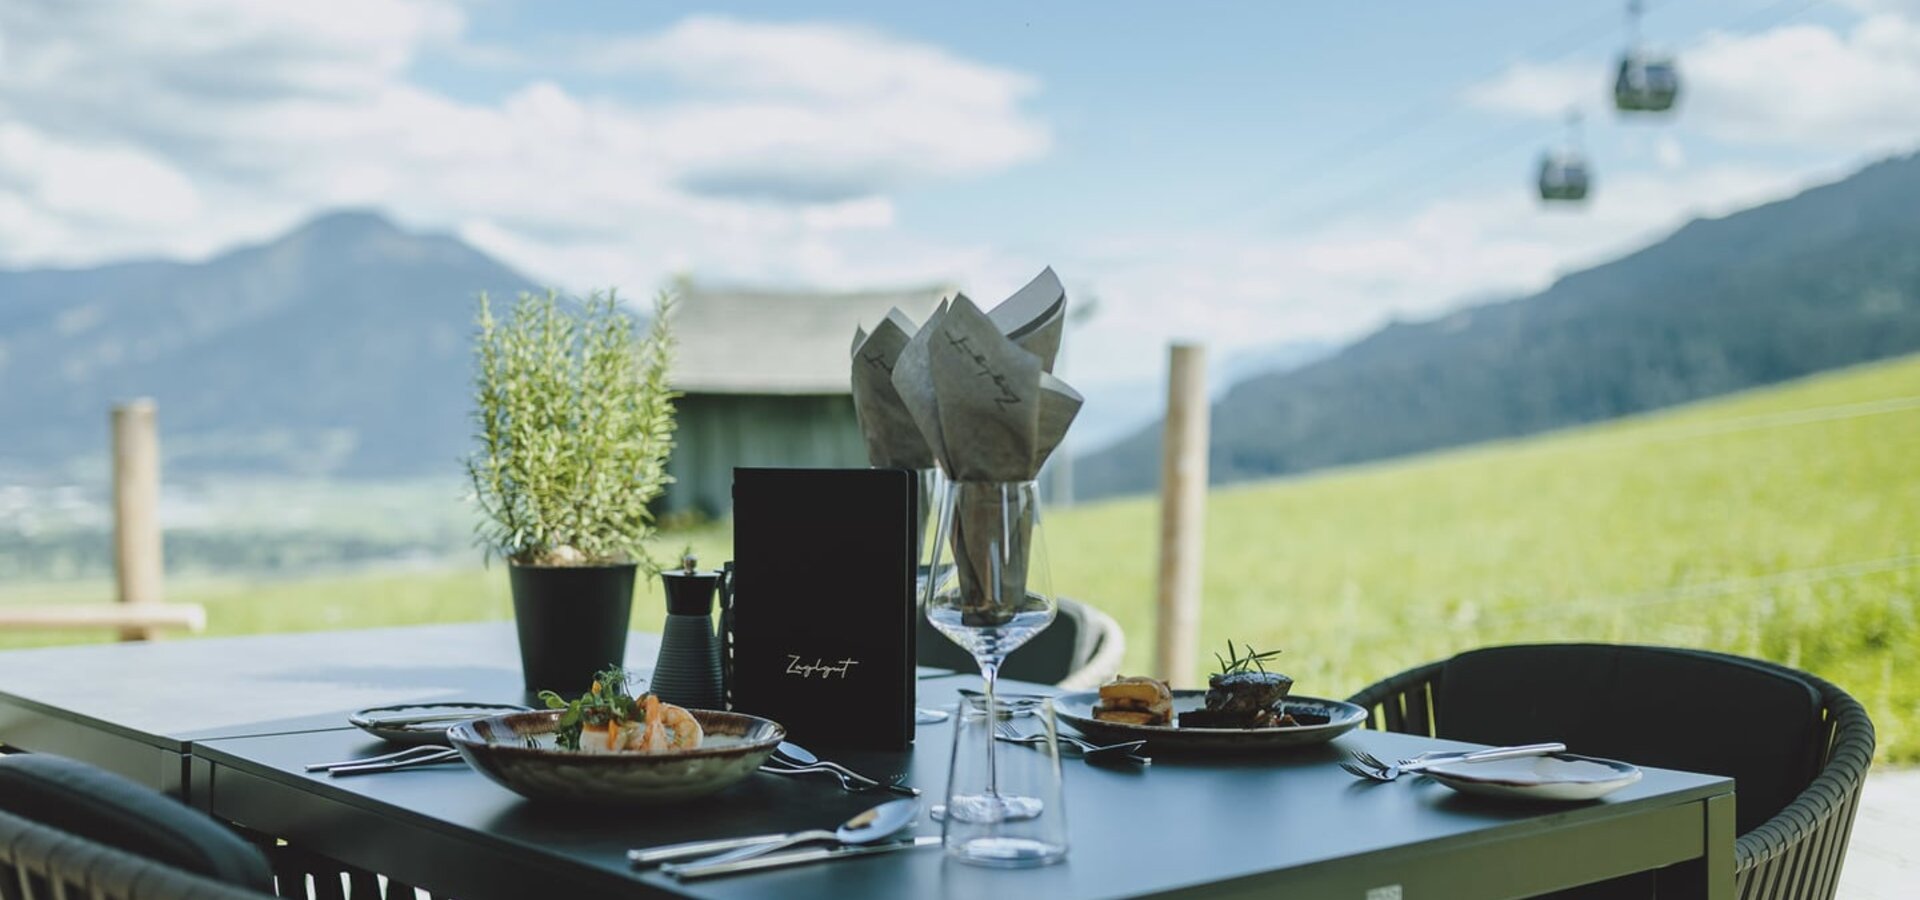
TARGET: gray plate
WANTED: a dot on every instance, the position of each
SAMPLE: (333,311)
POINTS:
(1562,776)
(1342,717)
(388,722)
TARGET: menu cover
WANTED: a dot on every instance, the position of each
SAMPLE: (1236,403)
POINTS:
(822,634)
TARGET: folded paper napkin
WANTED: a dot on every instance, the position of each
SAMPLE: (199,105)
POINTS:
(893,439)
(981,388)
(980,385)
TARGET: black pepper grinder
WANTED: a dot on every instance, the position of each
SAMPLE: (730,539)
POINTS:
(687,672)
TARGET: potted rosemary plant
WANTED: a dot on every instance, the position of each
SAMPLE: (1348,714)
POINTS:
(574,421)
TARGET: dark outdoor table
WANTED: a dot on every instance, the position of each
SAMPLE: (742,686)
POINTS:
(137,709)
(1290,824)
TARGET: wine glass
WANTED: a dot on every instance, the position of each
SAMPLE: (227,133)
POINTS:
(997,597)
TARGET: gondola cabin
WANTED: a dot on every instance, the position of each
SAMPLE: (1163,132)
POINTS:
(1563,177)
(1646,83)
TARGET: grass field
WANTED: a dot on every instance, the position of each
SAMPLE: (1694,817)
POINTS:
(1782,523)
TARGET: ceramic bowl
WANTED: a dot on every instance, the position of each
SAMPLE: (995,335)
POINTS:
(518,752)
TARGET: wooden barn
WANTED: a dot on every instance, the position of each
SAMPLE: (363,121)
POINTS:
(766,381)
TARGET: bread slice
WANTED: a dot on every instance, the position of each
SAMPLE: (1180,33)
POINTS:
(1130,716)
(1135,692)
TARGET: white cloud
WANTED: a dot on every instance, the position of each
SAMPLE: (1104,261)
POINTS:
(1668,151)
(1541,89)
(1237,292)
(185,126)
(1806,85)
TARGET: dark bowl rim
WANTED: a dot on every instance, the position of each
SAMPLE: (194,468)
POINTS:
(462,737)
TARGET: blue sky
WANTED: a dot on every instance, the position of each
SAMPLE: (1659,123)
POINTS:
(1239,173)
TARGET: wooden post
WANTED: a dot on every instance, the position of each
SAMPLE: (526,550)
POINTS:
(136,510)
(1183,514)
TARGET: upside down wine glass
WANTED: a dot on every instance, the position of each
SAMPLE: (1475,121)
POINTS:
(997,596)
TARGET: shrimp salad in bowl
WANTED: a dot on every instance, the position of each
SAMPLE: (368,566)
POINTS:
(611,746)
(607,719)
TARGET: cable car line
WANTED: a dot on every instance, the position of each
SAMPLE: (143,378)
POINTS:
(1656,88)
(1435,106)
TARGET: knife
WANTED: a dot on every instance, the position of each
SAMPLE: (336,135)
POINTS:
(797,857)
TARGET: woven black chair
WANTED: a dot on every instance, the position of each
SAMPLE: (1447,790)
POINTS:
(1796,746)
(42,863)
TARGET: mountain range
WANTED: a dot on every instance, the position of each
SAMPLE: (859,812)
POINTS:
(340,348)
(1824,279)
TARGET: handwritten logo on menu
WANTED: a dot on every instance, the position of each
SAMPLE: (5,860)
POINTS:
(819,667)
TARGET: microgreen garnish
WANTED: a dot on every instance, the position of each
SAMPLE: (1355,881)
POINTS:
(607,702)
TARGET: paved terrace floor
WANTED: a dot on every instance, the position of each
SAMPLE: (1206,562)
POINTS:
(1883,862)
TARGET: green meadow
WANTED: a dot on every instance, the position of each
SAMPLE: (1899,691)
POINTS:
(1782,523)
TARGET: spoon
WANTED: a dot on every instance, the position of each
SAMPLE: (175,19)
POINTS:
(874,825)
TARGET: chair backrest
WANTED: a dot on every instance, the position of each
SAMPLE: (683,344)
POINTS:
(38,862)
(98,807)
(1655,706)
(1795,855)
(1058,651)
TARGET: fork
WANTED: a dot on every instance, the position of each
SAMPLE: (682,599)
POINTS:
(851,782)
(1089,751)
(443,755)
(850,785)
(395,757)
(1366,765)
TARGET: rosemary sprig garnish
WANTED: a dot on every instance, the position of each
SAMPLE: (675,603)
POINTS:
(1235,663)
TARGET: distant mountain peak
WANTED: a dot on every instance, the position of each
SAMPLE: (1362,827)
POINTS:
(368,236)
(345,223)
(354,219)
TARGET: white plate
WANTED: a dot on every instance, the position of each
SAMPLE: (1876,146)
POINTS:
(1562,776)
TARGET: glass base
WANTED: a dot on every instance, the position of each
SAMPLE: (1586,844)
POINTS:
(1007,852)
(986,809)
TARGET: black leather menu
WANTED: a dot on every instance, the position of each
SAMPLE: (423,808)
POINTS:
(822,617)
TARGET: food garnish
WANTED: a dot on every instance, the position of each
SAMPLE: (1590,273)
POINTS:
(606,719)
(1235,663)
(1243,694)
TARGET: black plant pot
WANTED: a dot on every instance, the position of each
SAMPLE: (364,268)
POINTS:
(572,622)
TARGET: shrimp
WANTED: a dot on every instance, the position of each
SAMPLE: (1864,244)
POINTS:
(668,727)
(609,738)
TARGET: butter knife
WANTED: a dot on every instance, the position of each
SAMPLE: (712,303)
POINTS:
(794,858)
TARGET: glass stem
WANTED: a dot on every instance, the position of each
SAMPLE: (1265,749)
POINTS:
(990,675)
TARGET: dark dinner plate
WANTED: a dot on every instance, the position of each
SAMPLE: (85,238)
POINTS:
(1330,718)
(423,723)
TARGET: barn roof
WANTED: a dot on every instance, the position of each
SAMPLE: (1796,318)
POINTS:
(779,342)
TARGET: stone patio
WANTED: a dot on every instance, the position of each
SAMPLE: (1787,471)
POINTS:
(1883,861)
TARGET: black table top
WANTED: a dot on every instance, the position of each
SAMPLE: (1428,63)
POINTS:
(171,693)
(168,694)
(1179,824)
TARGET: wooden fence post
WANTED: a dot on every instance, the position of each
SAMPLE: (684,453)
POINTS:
(136,510)
(1183,513)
